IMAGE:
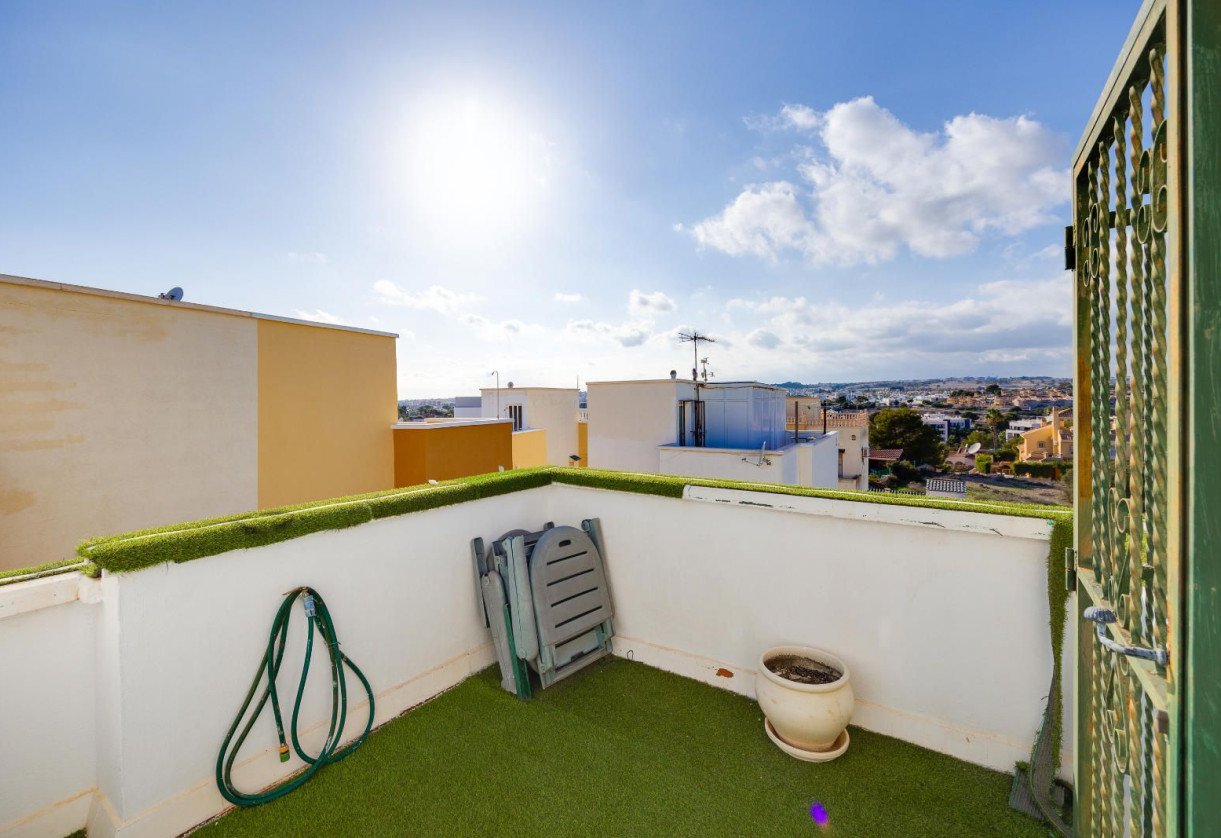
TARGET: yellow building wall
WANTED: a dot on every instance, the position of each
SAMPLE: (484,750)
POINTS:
(446,452)
(118,413)
(326,401)
(530,449)
(583,444)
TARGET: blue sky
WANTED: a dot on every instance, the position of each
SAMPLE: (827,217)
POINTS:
(836,191)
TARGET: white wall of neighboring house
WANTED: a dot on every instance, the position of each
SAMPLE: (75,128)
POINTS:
(824,462)
(854,461)
(1019,426)
(118,691)
(468,407)
(743,415)
(628,420)
(783,465)
(551,409)
(635,426)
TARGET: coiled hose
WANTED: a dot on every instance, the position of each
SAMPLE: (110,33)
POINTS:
(317,617)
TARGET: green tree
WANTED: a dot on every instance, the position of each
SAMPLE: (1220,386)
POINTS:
(995,419)
(901,427)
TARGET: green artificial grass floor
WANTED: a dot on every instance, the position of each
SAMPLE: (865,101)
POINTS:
(624,749)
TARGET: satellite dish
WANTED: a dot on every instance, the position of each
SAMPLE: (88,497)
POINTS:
(174,294)
(974,447)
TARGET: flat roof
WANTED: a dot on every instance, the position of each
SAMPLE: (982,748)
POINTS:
(9,279)
(527,387)
(427,424)
(710,384)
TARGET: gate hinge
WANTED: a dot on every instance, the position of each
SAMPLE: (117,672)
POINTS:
(1070,250)
(1070,569)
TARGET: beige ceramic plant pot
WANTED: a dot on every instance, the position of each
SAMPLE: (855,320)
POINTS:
(809,717)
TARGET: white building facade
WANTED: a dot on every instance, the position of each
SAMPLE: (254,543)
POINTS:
(946,422)
(726,430)
(1020,426)
(550,409)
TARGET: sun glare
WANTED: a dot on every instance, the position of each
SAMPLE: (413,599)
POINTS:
(476,173)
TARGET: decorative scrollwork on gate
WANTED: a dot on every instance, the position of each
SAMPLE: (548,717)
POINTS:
(1122,229)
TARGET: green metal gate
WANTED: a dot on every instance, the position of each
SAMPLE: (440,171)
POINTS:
(1145,410)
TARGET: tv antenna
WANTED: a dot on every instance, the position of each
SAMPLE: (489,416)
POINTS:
(695,338)
(173,295)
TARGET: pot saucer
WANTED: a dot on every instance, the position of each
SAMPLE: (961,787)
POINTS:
(837,747)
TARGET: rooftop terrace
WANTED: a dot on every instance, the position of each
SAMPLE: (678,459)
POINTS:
(625,749)
(128,681)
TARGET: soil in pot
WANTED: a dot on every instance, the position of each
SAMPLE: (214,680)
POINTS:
(803,670)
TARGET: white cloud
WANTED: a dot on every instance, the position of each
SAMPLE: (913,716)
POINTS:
(763,338)
(872,185)
(308,258)
(641,304)
(1003,321)
(484,329)
(797,117)
(626,335)
(561,297)
(320,316)
(434,298)
(763,221)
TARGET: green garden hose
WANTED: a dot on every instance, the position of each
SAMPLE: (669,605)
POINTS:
(317,617)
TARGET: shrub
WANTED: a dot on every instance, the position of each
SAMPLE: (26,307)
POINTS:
(1051,471)
(905,472)
(983,463)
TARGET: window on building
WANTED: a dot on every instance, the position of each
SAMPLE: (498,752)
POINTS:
(516,412)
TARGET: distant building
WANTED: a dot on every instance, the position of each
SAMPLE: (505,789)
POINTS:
(544,422)
(1053,441)
(727,430)
(881,459)
(1019,426)
(806,417)
(468,407)
(945,422)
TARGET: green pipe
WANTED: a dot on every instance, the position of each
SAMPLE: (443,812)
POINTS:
(317,616)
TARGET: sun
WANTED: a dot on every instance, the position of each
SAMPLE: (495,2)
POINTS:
(476,174)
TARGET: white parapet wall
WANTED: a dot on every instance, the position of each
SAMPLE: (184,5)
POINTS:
(941,616)
(118,692)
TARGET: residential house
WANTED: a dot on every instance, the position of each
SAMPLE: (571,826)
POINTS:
(727,429)
(945,422)
(1053,441)
(806,418)
(1019,426)
(124,412)
(544,422)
